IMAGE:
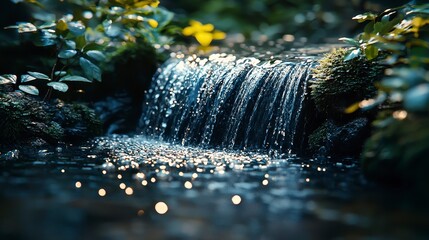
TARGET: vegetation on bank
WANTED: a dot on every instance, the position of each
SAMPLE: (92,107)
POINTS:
(84,40)
(103,48)
(398,41)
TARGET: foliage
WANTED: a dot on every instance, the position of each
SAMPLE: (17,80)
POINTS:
(400,38)
(336,83)
(402,32)
(84,40)
(398,150)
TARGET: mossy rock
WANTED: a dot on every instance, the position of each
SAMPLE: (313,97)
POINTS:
(399,152)
(24,119)
(318,138)
(337,84)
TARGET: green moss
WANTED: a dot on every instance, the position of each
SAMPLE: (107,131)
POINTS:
(75,114)
(18,117)
(317,139)
(399,151)
(338,84)
(54,131)
(24,119)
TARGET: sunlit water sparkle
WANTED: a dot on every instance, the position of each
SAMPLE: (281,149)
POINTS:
(130,187)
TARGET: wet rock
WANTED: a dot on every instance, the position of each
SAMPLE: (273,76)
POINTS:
(26,120)
(10,155)
(336,139)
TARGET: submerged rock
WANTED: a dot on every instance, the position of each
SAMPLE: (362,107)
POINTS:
(25,120)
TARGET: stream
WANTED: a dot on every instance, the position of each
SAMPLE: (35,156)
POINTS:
(123,187)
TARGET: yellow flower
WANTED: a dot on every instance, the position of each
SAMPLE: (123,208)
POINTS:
(153,23)
(138,3)
(204,33)
(418,22)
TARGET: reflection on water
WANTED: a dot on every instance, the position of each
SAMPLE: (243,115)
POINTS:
(130,188)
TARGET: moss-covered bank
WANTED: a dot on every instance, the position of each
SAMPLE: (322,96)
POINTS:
(25,120)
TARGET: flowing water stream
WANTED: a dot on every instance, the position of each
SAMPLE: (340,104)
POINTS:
(226,102)
(216,159)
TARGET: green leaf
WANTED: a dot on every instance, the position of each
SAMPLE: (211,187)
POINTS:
(74,79)
(24,27)
(39,75)
(80,42)
(29,1)
(93,46)
(162,16)
(390,46)
(76,28)
(8,78)
(45,38)
(97,55)
(29,89)
(352,55)
(351,41)
(60,73)
(90,69)
(47,25)
(378,27)
(365,17)
(27,78)
(67,54)
(417,98)
(369,27)
(371,52)
(393,83)
(59,86)
(70,44)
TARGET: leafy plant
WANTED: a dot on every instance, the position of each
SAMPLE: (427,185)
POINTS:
(86,39)
(399,38)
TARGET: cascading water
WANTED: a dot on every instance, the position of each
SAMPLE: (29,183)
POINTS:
(226,102)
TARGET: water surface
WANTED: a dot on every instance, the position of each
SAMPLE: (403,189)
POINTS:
(131,188)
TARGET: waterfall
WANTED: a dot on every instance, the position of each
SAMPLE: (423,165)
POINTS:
(227,102)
